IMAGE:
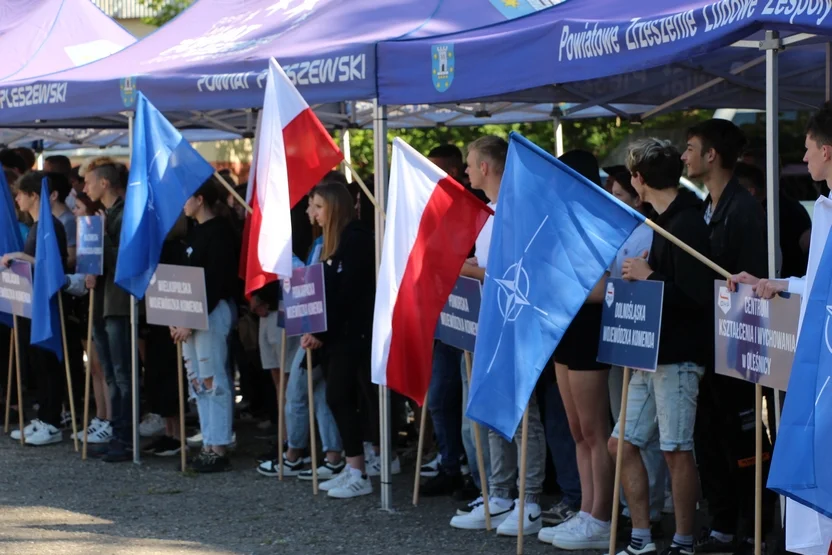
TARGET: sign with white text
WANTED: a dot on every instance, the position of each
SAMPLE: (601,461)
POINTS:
(16,289)
(90,246)
(631,323)
(457,325)
(755,339)
(176,297)
(304,299)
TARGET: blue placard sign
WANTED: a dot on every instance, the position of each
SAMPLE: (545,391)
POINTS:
(457,325)
(90,242)
(631,322)
(16,289)
(305,300)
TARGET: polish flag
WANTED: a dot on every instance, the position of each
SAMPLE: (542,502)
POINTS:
(432,223)
(293,153)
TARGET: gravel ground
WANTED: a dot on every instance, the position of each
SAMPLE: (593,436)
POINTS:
(52,502)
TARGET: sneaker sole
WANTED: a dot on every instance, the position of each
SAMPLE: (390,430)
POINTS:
(276,474)
(527,531)
(463,525)
(579,546)
(335,495)
(51,441)
(168,453)
(321,477)
(429,474)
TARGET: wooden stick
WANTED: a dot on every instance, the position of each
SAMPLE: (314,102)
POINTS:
(232,192)
(281,393)
(619,457)
(183,448)
(688,249)
(365,189)
(480,457)
(88,373)
(68,375)
(9,385)
(19,381)
(421,445)
(522,494)
(313,441)
(758,467)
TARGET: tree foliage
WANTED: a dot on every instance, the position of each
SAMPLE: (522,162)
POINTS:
(165,10)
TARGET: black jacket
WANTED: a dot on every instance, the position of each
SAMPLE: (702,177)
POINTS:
(688,284)
(738,232)
(211,246)
(350,284)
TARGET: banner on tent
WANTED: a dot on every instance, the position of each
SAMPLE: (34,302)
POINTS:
(304,297)
(755,338)
(176,297)
(631,323)
(16,289)
(90,241)
(457,325)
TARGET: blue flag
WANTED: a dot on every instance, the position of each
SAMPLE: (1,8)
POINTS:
(10,239)
(49,279)
(802,464)
(164,171)
(555,234)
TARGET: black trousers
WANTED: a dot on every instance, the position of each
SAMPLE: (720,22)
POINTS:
(161,389)
(725,450)
(50,377)
(350,393)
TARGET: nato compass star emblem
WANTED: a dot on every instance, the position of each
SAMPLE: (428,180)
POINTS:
(513,293)
(826,329)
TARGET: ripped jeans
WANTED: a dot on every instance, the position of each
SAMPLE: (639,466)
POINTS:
(206,353)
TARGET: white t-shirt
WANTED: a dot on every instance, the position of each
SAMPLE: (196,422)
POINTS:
(639,241)
(483,243)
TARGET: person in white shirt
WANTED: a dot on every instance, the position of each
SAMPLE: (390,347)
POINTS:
(807,531)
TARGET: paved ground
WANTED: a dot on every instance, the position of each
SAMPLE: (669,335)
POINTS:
(52,502)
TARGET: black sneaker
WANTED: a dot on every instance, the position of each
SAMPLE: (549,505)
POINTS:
(468,507)
(709,544)
(678,550)
(210,462)
(151,447)
(558,513)
(117,453)
(648,549)
(167,446)
(441,484)
(468,492)
(747,548)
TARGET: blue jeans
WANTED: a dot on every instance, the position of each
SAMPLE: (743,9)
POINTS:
(561,445)
(297,403)
(206,358)
(468,437)
(444,397)
(112,342)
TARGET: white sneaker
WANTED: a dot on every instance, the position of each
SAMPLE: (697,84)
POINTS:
(95,423)
(152,425)
(195,440)
(354,486)
(102,434)
(326,471)
(28,430)
(547,535)
(586,534)
(45,434)
(431,469)
(374,467)
(475,520)
(336,482)
(531,521)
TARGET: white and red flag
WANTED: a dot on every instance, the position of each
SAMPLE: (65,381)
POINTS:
(432,223)
(293,152)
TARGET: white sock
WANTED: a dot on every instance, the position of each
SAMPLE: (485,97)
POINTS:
(500,502)
(600,523)
(356,472)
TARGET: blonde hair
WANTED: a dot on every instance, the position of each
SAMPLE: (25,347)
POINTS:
(341,211)
(96,163)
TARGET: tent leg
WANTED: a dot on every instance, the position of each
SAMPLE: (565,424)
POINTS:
(380,162)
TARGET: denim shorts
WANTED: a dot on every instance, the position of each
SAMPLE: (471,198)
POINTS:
(664,403)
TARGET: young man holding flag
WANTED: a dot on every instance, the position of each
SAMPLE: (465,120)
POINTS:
(664,402)
(46,249)
(800,468)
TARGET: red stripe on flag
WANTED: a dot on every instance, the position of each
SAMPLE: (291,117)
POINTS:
(250,269)
(449,226)
(310,154)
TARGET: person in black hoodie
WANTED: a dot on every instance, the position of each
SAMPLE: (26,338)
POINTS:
(665,401)
(348,255)
(211,245)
